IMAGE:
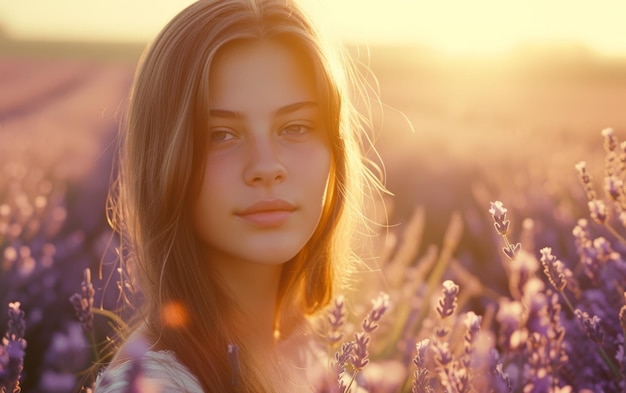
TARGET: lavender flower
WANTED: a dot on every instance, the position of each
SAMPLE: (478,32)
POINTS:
(343,356)
(17,325)
(379,306)
(556,335)
(585,249)
(585,179)
(12,350)
(445,365)
(613,187)
(420,357)
(604,251)
(83,302)
(498,213)
(592,326)
(598,210)
(336,319)
(552,268)
(421,383)
(360,359)
(447,302)
(443,354)
(511,250)
(509,318)
(357,352)
(341,360)
(472,325)
(451,378)
(504,377)
(610,140)
(521,270)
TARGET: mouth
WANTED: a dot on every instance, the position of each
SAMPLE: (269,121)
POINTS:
(267,213)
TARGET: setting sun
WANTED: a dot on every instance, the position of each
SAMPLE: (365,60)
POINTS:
(451,26)
(480,26)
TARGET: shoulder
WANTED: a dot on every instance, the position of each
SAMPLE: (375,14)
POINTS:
(144,370)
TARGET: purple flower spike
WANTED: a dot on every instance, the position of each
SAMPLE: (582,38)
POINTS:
(447,303)
(504,377)
(16,325)
(552,268)
(613,187)
(342,358)
(12,350)
(592,326)
(472,323)
(421,384)
(379,306)
(585,179)
(336,319)
(498,213)
(597,208)
(420,356)
(610,140)
(83,302)
(361,355)
(512,250)
(581,167)
(443,354)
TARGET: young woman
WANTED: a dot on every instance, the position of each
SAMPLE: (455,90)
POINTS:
(241,183)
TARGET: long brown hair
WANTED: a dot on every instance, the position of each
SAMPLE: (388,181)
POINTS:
(185,308)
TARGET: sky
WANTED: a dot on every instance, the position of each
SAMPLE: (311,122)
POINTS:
(454,26)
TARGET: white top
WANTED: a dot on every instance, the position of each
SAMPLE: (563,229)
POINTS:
(305,362)
(158,371)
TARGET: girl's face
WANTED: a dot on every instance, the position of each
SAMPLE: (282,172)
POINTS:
(268,156)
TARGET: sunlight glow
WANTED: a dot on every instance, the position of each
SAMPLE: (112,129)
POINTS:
(479,26)
(454,26)
(174,315)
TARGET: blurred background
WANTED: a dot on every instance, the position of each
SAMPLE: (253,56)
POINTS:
(481,101)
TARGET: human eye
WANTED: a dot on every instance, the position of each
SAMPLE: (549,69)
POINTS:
(296,130)
(220,135)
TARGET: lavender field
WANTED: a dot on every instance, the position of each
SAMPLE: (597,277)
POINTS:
(455,135)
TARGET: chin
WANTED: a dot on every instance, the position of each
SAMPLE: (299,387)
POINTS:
(274,258)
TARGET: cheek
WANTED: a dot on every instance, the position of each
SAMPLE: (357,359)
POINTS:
(315,160)
(212,192)
(219,173)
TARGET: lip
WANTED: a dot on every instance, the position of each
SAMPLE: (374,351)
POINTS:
(267,213)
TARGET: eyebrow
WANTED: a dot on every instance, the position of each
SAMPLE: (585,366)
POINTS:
(280,111)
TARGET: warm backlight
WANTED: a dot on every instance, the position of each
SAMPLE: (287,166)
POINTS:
(452,26)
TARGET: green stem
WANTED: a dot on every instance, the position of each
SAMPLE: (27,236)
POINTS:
(506,241)
(94,347)
(112,316)
(615,233)
(569,304)
(609,363)
(352,381)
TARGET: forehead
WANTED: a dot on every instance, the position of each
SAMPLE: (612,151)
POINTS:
(250,74)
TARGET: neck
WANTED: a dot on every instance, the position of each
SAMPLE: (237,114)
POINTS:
(255,289)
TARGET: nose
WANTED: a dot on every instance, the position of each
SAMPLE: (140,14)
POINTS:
(264,167)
